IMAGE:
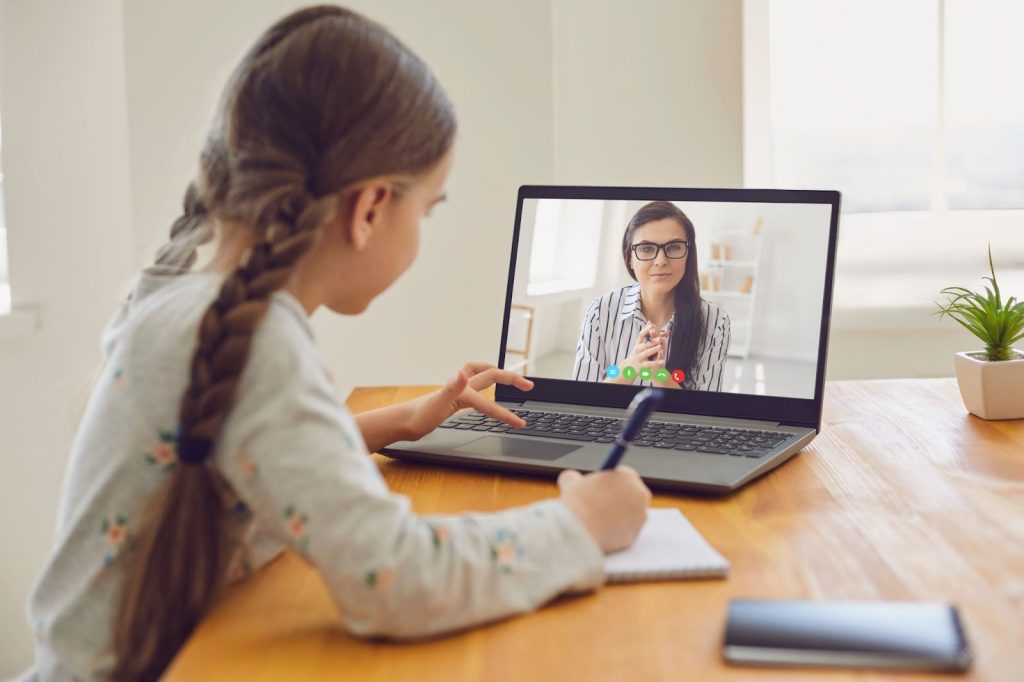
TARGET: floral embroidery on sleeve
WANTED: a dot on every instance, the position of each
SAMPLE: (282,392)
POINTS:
(247,467)
(439,533)
(381,580)
(298,527)
(506,550)
(244,464)
(163,455)
(115,532)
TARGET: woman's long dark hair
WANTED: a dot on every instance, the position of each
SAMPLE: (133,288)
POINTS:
(688,328)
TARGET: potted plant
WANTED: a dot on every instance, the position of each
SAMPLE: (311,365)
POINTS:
(992,380)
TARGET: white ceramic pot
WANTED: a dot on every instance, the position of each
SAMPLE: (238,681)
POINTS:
(991,390)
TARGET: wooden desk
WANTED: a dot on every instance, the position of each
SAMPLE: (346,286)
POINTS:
(904,495)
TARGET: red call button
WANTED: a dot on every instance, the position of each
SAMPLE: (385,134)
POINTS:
(678,376)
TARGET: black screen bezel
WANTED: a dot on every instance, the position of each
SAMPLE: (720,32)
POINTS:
(792,411)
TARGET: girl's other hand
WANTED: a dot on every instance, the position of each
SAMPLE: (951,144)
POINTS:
(464,391)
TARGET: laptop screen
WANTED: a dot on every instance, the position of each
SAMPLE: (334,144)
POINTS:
(714,291)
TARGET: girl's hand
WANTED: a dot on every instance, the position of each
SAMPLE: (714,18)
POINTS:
(426,412)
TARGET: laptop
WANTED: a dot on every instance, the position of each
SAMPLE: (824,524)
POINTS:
(720,296)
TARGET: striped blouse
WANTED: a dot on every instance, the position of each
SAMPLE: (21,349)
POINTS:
(610,329)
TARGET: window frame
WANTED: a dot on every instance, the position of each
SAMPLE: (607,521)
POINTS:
(5,268)
(857,265)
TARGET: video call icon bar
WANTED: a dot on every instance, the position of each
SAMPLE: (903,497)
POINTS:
(645,373)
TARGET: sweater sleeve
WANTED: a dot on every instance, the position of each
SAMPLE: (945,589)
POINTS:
(296,458)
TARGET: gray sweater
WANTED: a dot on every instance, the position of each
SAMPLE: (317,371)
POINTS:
(299,467)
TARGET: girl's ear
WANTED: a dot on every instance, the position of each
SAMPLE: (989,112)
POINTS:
(362,210)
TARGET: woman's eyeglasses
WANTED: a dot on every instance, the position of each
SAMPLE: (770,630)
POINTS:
(649,251)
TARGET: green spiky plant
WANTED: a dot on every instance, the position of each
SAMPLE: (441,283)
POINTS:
(999,325)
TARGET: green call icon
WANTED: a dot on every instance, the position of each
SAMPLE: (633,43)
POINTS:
(629,372)
(662,374)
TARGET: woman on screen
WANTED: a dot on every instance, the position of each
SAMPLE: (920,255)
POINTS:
(661,322)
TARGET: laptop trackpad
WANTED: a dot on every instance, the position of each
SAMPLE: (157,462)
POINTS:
(517,447)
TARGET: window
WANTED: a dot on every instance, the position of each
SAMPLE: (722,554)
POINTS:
(5,289)
(564,253)
(911,110)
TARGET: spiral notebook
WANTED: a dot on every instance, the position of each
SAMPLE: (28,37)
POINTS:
(668,548)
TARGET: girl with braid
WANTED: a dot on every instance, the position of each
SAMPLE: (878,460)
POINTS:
(214,439)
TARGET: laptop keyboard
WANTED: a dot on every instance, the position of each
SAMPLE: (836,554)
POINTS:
(716,440)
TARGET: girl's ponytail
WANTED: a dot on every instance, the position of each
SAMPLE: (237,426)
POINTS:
(186,541)
(324,99)
(181,555)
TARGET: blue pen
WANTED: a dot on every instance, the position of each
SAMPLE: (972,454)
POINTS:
(644,403)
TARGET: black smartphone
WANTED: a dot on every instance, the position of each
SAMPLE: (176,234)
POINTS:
(897,635)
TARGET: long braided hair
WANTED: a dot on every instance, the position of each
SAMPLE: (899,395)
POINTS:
(324,99)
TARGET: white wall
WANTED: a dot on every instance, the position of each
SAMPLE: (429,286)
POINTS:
(69,217)
(177,57)
(648,93)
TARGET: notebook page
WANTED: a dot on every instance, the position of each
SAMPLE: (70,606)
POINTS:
(668,547)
